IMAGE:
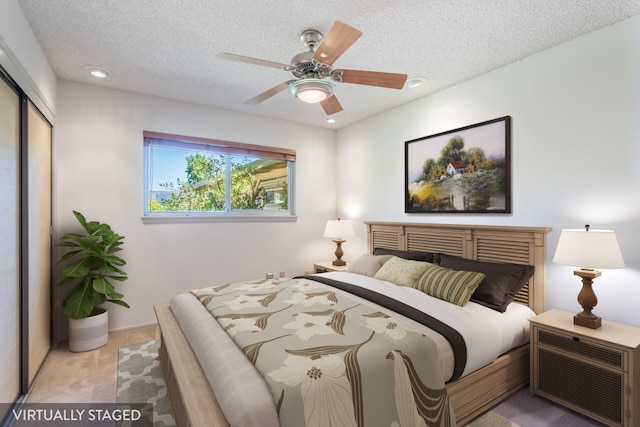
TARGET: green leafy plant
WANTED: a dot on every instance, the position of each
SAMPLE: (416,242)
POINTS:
(92,266)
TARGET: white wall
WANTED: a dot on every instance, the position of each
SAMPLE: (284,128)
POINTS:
(98,159)
(575,154)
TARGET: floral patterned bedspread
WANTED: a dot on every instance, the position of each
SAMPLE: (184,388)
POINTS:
(330,360)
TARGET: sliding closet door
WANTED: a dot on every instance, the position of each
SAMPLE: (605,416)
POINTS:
(39,239)
(9,243)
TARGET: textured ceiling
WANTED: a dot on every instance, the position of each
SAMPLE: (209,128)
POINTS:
(167,48)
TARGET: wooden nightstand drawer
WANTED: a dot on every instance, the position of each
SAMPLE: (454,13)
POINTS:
(582,348)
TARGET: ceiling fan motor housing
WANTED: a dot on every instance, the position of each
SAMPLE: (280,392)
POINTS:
(303,65)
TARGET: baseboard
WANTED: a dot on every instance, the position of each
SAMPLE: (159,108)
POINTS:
(128,328)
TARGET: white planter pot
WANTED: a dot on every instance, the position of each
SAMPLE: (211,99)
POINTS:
(89,333)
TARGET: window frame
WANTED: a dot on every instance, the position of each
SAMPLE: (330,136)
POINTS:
(151,138)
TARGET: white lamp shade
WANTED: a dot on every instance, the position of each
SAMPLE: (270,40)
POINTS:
(338,229)
(589,249)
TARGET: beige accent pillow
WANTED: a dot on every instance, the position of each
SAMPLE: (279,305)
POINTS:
(402,272)
(454,286)
(368,265)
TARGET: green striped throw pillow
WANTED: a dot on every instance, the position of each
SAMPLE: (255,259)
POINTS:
(454,286)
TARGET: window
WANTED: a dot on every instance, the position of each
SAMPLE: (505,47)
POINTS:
(197,177)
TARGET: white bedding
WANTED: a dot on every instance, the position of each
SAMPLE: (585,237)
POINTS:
(237,385)
(486,332)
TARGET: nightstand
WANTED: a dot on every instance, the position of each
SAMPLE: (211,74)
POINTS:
(323,267)
(595,372)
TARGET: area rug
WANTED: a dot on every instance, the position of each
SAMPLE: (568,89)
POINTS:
(141,385)
(141,381)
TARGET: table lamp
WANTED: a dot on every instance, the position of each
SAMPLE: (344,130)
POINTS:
(588,249)
(337,230)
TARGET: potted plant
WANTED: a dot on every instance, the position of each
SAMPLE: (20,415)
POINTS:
(92,266)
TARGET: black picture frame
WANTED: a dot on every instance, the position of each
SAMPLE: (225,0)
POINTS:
(464,170)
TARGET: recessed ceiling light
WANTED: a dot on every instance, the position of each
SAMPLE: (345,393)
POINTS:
(330,120)
(414,82)
(98,72)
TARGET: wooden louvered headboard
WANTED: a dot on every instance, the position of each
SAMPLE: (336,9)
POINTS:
(520,245)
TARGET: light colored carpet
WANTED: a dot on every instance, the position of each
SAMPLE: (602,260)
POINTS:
(491,419)
(141,384)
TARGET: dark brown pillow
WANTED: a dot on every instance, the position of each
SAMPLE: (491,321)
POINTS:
(501,283)
(410,255)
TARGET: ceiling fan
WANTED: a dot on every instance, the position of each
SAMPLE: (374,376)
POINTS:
(311,69)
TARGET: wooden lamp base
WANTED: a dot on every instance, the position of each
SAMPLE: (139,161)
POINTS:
(587,299)
(338,261)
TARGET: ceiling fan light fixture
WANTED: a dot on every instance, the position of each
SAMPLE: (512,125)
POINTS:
(312,91)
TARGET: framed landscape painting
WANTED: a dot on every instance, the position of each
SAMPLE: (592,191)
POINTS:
(465,170)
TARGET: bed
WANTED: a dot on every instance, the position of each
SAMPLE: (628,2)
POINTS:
(194,401)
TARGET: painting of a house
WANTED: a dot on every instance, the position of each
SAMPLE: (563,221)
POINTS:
(464,170)
(456,167)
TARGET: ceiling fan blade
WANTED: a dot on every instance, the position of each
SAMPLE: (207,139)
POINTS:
(339,38)
(268,94)
(370,78)
(255,61)
(331,105)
